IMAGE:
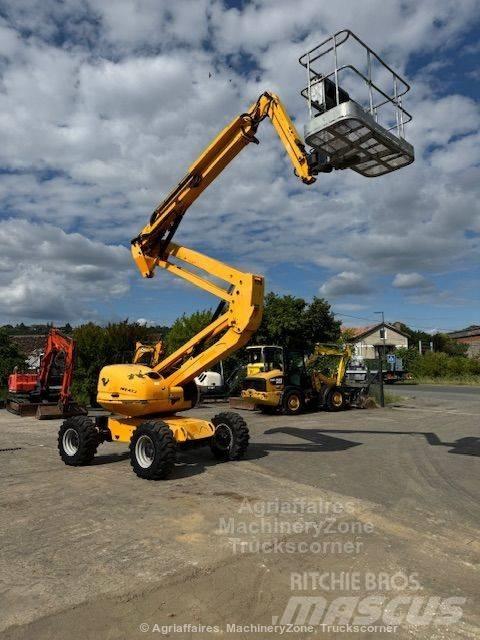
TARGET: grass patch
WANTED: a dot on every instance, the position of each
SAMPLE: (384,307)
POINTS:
(392,398)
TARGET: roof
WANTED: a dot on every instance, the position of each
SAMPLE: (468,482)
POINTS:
(472,330)
(361,332)
(28,344)
(358,331)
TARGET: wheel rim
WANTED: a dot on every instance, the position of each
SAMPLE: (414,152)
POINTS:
(145,451)
(294,403)
(223,437)
(71,442)
(337,399)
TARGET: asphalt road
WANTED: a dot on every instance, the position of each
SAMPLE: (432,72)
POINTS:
(422,389)
(394,495)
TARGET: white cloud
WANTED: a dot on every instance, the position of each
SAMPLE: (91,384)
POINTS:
(97,130)
(345,283)
(49,275)
(410,281)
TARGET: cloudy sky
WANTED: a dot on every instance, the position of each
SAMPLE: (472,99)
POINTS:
(103,106)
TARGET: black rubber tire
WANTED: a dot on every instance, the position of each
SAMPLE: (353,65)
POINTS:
(164,448)
(87,437)
(234,445)
(332,403)
(293,402)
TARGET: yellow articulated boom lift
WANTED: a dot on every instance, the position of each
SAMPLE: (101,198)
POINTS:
(145,401)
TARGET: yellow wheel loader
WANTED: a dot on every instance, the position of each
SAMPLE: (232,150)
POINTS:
(145,402)
(288,382)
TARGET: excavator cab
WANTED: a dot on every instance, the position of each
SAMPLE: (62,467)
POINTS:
(357,117)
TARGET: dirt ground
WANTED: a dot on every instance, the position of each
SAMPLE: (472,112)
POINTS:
(366,518)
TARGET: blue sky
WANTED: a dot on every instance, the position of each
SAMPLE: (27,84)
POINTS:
(104,105)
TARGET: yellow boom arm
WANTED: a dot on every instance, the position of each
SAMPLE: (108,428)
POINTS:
(241,312)
(153,240)
(343,353)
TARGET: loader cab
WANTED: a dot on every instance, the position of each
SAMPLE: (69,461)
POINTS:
(295,371)
(264,358)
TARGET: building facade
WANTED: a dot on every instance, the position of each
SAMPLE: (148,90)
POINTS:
(469,336)
(368,342)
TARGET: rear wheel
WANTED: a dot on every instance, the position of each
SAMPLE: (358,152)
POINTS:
(78,440)
(230,440)
(335,400)
(153,450)
(293,402)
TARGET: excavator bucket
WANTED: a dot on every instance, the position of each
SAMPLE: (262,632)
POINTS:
(366,135)
(20,407)
(50,411)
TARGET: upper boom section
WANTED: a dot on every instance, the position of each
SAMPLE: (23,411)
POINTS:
(152,242)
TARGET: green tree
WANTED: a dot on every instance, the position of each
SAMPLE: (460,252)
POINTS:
(10,357)
(320,323)
(98,346)
(293,323)
(185,327)
(443,342)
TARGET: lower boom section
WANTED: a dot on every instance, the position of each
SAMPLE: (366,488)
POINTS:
(153,440)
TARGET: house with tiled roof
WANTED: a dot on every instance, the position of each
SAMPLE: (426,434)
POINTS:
(369,341)
(32,347)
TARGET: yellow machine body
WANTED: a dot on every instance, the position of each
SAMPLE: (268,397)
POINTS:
(268,387)
(184,429)
(135,390)
(272,396)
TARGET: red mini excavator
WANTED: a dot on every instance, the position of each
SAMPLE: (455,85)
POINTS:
(46,394)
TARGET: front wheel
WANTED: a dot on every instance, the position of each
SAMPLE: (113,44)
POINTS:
(293,402)
(335,400)
(153,450)
(230,440)
(78,440)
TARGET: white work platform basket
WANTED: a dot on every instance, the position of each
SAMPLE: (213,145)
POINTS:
(365,134)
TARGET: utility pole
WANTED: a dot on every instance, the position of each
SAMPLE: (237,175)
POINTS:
(382,355)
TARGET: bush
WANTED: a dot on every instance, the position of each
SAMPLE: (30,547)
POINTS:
(441,365)
(10,357)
